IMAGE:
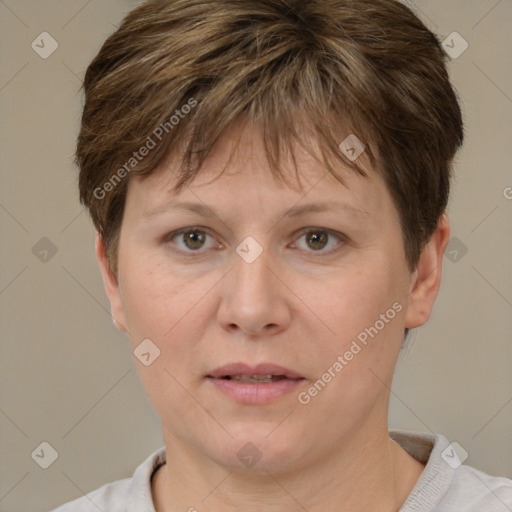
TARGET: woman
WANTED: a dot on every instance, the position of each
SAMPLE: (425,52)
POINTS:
(269,181)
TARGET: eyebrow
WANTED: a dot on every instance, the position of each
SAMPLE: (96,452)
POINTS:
(295,211)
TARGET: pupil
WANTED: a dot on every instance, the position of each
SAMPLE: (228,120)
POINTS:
(194,239)
(317,240)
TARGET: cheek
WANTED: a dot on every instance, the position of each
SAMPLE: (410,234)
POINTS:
(355,364)
(153,300)
(363,315)
(166,306)
(355,299)
(149,304)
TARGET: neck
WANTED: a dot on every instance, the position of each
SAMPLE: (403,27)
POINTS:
(368,473)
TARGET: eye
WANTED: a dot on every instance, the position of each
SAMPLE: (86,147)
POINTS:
(192,240)
(319,239)
(197,240)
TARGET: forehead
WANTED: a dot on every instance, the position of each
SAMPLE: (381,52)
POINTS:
(238,168)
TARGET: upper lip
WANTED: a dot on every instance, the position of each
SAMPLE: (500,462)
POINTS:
(248,370)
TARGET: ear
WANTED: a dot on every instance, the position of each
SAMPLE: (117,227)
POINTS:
(426,280)
(111,284)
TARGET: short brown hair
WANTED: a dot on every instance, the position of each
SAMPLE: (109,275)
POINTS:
(371,64)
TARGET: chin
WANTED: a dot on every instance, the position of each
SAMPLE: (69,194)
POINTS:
(254,451)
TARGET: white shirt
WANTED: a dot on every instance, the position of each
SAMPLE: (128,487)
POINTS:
(444,485)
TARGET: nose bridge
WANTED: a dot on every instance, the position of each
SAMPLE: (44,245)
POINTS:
(252,298)
(252,277)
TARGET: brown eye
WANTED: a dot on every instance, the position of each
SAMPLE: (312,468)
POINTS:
(320,240)
(317,240)
(194,239)
(191,240)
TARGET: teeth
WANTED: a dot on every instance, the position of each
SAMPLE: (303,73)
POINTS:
(256,378)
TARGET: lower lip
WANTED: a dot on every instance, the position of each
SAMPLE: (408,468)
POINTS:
(259,393)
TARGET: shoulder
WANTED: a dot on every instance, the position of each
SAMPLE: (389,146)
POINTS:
(472,490)
(446,485)
(126,495)
(109,497)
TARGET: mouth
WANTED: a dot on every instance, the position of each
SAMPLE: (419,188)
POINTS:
(264,372)
(254,379)
(254,384)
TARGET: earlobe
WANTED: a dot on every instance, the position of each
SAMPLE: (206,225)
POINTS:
(427,277)
(110,281)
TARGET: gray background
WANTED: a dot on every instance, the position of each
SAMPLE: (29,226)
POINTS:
(68,377)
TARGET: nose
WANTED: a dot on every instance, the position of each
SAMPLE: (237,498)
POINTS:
(254,299)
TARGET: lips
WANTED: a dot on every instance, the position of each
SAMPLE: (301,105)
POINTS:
(254,385)
(264,372)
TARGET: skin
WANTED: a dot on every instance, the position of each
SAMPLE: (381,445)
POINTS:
(298,305)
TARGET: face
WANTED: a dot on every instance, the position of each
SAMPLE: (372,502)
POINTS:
(239,275)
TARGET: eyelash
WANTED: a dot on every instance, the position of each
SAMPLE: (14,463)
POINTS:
(200,252)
